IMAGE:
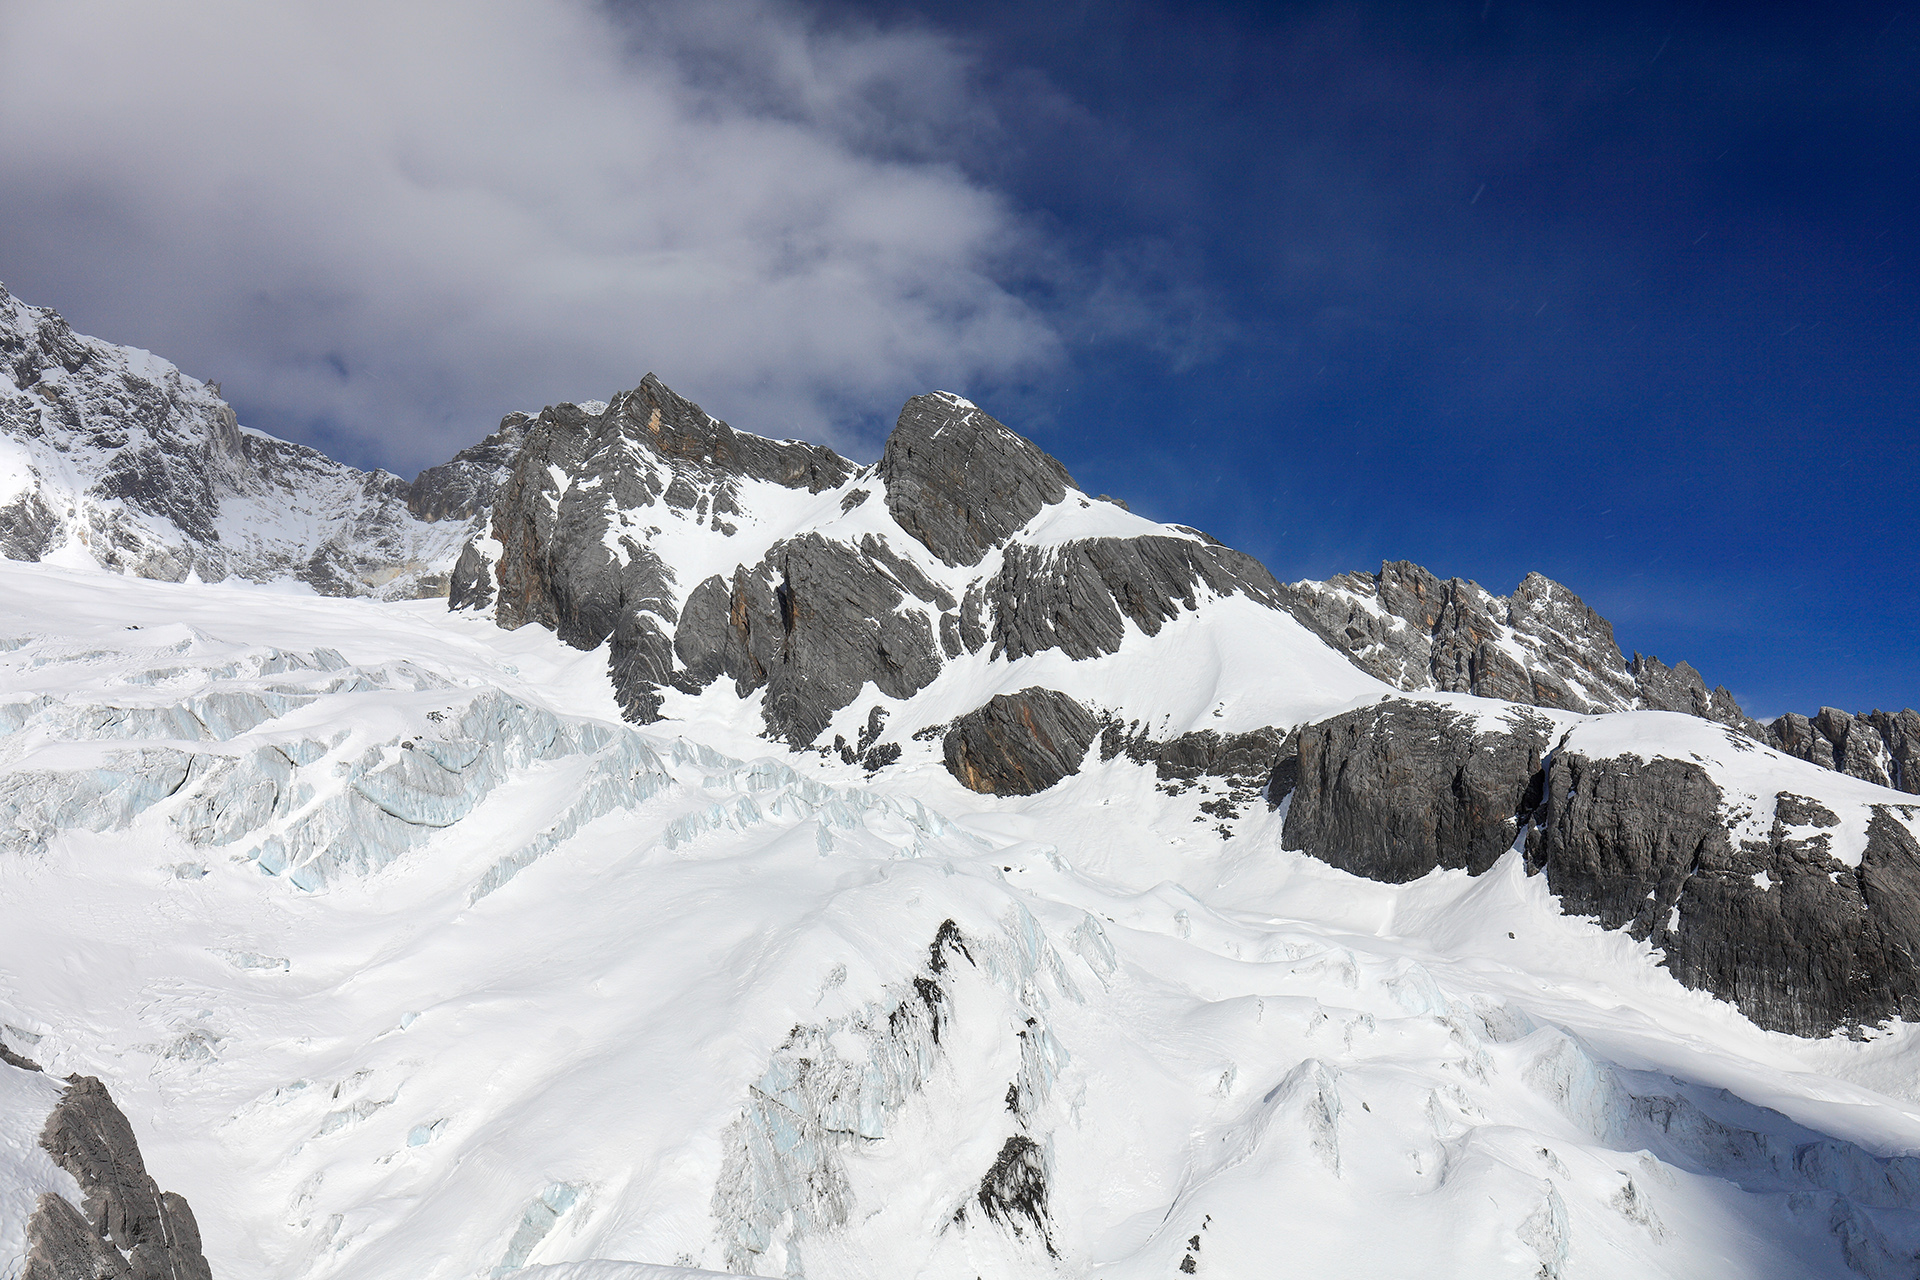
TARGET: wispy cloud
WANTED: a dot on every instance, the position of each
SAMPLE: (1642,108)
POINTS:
(384,225)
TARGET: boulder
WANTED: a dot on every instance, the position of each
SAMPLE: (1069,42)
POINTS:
(1019,743)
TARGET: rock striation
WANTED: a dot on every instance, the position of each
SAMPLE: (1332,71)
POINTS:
(1881,747)
(1398,789)
(1800,940)
(1020,743)
(126,1227)
(960,481)
(1748,897)
(608,507)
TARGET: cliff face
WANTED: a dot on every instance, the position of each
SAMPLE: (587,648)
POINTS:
(1792,892)
(107,1219)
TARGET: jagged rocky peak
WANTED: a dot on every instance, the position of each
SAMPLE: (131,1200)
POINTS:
(462,487)
(698,553)
(110,456)
(960,481)
(1541,645)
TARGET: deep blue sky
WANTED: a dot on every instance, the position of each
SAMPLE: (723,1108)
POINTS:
(1625,294)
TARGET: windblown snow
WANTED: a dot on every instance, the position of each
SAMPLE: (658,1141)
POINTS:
(409,958)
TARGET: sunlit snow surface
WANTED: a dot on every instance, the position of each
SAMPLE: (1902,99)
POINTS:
(386,997)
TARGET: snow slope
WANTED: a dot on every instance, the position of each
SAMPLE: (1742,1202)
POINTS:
(388,993)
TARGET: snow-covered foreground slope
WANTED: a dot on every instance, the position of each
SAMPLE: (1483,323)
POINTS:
(410,959)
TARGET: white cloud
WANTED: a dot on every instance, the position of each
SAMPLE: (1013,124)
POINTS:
(474,207)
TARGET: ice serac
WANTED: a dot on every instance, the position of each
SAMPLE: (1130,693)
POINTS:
(126,1226)
(961,482)
(112,457)
(1019,743)
(1396,789)
(1541,645)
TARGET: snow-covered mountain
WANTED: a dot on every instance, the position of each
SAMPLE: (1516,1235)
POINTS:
(770,864)
(110,456)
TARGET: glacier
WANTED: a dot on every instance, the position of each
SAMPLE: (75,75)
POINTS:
(413,957)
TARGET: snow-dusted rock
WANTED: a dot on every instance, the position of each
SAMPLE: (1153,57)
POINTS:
(111,456)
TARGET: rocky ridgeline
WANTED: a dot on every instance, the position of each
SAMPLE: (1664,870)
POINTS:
(887,574)
(1541,645)
(125,1227)
(112,456)
(880,576)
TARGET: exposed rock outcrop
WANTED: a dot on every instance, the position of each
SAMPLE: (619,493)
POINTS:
(573,553)
(1800,939)
(1881,747)
(462,487)
(1394,790)
(1541,645)
(813,624)
(127,1227)
(1019,743)
(1078,597)
(961,482)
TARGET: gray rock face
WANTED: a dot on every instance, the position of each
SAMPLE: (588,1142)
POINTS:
(127,1227)
(147,471)
(1643,846)
(1394,790)
(62,1246)
(462,487)
(1800,941)
(812,624)
(1882,747)
(1542,645)
(574,556)
(1020,743)
(1243,758)
(1078,597)
(1681,688)
(1253,766)
(961,482)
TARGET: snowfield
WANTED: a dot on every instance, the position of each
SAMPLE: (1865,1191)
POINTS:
(408,958)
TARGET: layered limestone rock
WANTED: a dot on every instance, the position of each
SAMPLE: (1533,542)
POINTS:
(1019,743)
(1751,897)
(960,481)
(1801,940)
(1079,597)
(126,1227)
(1881,747)
(1394,790)
(813,623)
(1541,645)
(571,549)
(111,456)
